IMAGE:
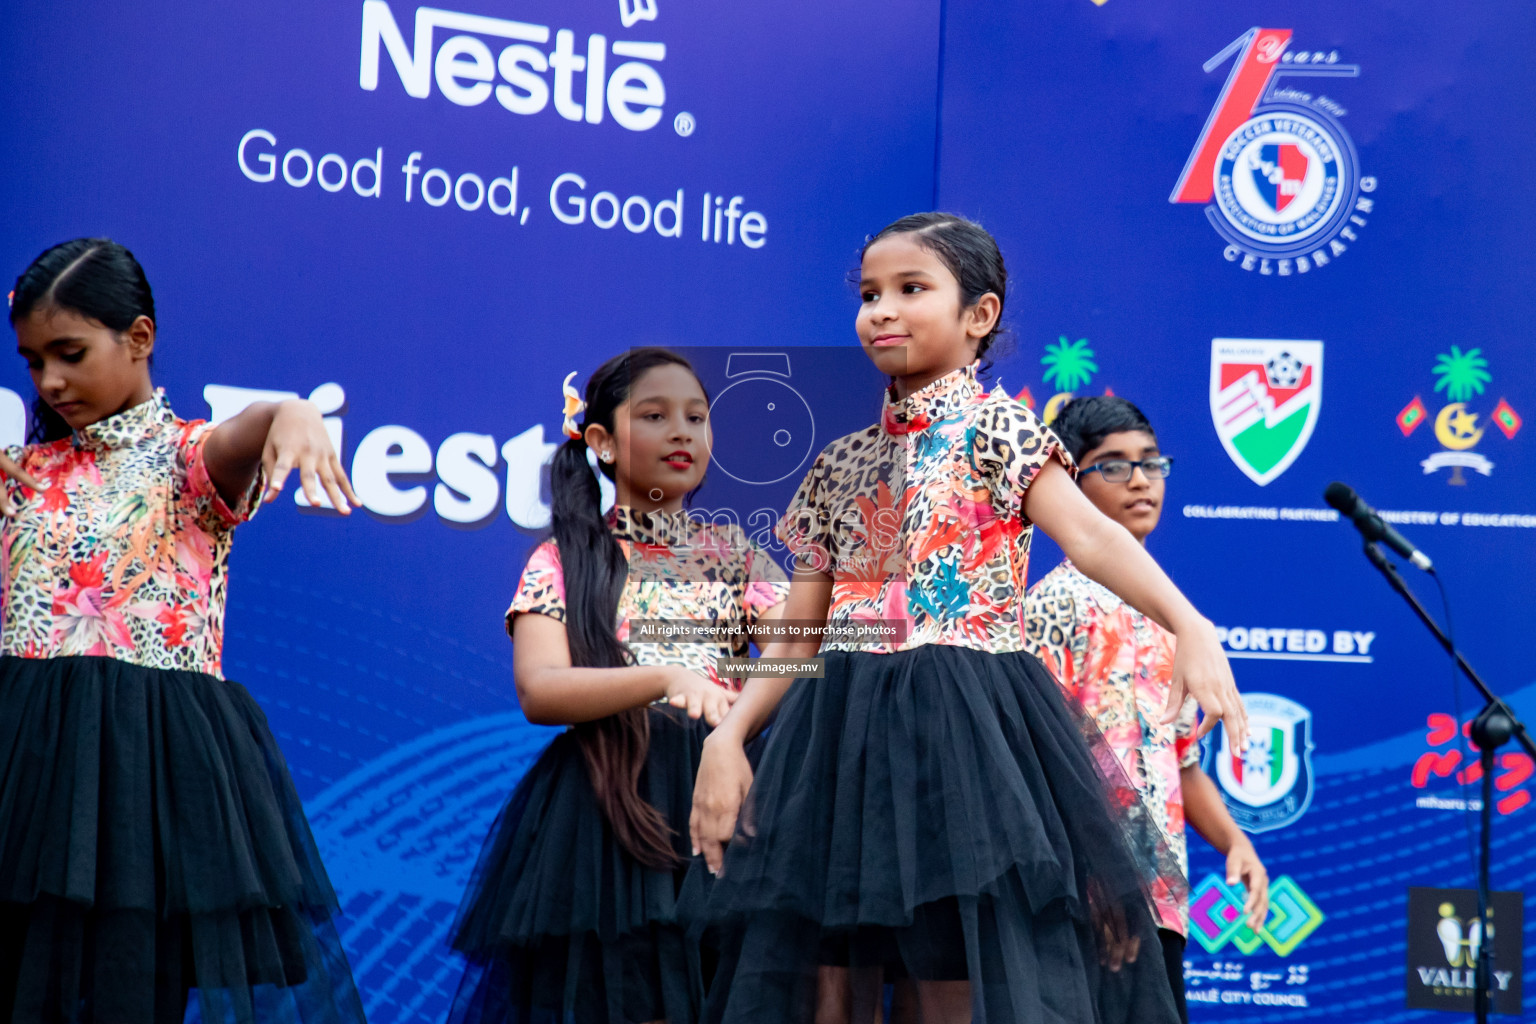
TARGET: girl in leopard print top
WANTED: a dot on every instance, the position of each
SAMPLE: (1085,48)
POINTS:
(931,813)
(152,846)
(574,910)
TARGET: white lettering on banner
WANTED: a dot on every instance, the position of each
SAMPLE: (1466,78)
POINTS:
(466,71)
(393,465)
(485,194)
(722,222)
(1288,644)
(1520,520)
(466,465)
(524,505)
(1216,995)
(568,202)
(631,11)
(256,148)
(753,225)
(386,452)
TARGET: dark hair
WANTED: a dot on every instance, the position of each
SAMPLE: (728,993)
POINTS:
(94,277)
(970,253)
(594,568)
(1084,423)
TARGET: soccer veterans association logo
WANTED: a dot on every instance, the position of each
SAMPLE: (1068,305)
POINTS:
(1269,785)
(1265,398)
(1276,168)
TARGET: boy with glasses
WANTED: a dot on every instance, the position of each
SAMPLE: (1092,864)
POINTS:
(1118,664)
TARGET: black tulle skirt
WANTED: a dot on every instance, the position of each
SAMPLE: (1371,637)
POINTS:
(154,855)
(560,923)
(937,815)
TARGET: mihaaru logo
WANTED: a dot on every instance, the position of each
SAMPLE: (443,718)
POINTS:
(1265,397)
(1463,376)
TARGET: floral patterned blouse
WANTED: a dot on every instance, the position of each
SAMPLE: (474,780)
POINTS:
(681,571)
(1119,664)
(919,520)
(125,551)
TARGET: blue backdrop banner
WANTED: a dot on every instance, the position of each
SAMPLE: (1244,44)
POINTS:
(1287,233)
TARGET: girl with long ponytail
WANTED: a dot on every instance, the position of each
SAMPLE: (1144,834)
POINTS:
(572,911)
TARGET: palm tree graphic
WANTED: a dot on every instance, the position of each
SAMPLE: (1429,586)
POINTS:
(1069,365)
(1461,374)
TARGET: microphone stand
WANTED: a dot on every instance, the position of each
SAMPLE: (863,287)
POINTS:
(1494,726)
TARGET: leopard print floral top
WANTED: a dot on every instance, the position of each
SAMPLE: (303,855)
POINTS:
(1118,664)
(124,553)
(681,571)
(919,520)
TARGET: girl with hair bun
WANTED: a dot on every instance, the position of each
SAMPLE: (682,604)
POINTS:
(152,845)
(931,813)
(573,911)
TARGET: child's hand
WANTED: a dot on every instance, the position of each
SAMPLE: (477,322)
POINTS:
(1118,946)
(297,439)
(1200,670)
(688,691)
(723,780)
(14,472)
(1244,866)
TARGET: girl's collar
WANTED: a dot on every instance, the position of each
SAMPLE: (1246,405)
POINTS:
(665,528)
(934,401)
(127,428)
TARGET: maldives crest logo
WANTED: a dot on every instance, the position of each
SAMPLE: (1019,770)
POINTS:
(1275,167)
(1460,426)
(1265,397)
(1269,785)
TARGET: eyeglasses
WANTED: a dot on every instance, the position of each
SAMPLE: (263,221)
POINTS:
(1118,471)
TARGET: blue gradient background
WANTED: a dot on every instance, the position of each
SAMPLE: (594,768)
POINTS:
(376,646)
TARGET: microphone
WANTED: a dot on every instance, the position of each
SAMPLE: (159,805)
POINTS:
(1370,524)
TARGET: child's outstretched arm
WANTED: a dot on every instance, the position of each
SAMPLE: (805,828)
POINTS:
(553,692)
(1107,553)
(278,437)
(724,775)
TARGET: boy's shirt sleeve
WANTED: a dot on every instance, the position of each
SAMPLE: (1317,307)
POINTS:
(1056,632)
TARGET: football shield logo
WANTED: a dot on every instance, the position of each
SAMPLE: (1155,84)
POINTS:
(1269,785)
(1265,396)
(1279,171)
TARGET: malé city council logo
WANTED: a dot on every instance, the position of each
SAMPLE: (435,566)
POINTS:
(1276,168)
(1269,785)
(1216,917)
(1265,397)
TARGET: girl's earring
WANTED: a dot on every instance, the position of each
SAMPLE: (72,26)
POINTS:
(607,456)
